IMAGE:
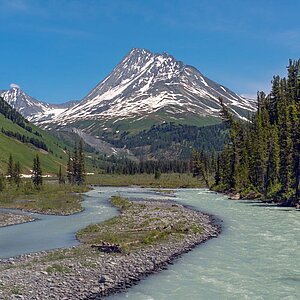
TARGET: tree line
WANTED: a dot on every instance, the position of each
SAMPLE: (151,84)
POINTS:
(10,113)
(75,166)
(262,156)
(171,140)
(75,170)
(13,173)
(25,139)
(124,165)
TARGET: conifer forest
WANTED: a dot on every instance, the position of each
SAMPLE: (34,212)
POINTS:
(262,156)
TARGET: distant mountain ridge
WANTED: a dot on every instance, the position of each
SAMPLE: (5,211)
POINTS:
(32,109)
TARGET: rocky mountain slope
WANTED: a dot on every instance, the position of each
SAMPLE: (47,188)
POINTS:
(32,109)
(144,85)
(143,89)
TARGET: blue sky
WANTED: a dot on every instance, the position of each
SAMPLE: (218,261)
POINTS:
(58,50)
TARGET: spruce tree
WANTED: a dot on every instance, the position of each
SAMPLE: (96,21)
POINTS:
(2,183)
(218,171)
(10,169)
(264,154)
(70,169)
(80,164)
(157,174)
(75,164)
(37,178)
(17,173)
(60,176)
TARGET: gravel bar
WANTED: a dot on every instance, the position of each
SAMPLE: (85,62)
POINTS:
(83,272)
(8,219)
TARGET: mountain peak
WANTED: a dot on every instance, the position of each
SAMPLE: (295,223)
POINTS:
(145,52)
(29,107)
(139,51)
(143,85)
(146,83)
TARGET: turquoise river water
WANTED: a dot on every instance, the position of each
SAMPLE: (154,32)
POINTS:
(257,255)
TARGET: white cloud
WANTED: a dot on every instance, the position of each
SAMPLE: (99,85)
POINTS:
(13,85)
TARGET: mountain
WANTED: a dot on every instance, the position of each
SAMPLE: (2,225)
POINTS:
(151,88)
(23,140)
(144,90)
(32,109)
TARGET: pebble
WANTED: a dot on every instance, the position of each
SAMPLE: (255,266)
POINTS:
(8,219)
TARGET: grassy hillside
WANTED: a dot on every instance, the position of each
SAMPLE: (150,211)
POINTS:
(135,125)
(24,151)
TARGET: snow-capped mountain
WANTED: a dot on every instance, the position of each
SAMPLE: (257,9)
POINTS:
(143,86)
(144,83)
(31,108)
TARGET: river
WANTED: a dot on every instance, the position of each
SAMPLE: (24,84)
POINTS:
(256,256)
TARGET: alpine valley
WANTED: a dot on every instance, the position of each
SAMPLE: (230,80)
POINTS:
(146,94)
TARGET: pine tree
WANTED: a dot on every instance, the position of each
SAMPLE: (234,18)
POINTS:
(195,163)
(157,174)
(2,183)
(264,155)
(61,178)
(37,178)
(17,173)
(271,181)
(10,169)
(70,169)
(80,164)
(200,166)
(75,164)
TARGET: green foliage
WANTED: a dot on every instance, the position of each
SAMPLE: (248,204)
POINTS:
(26,139)
(157,174)
(172,180)
(17,173)
(76,165)
(203,166)
(123,165)
(51,198)
(37,178)
(10,170)
(2,183)
(120,202)
(22,139)
(57,268)
(265,153)
(13,171)
(60,176)
(170,140)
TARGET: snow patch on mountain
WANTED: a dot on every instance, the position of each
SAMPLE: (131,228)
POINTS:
(32,109)
(143,83)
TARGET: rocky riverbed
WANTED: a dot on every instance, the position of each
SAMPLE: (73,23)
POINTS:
(8,218)
(158,232)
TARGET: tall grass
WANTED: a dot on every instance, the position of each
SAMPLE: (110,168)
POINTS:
(50,198)
(172,180)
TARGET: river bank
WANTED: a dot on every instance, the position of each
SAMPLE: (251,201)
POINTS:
(50,199)
(158,232)
(253,195)
(8,219)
